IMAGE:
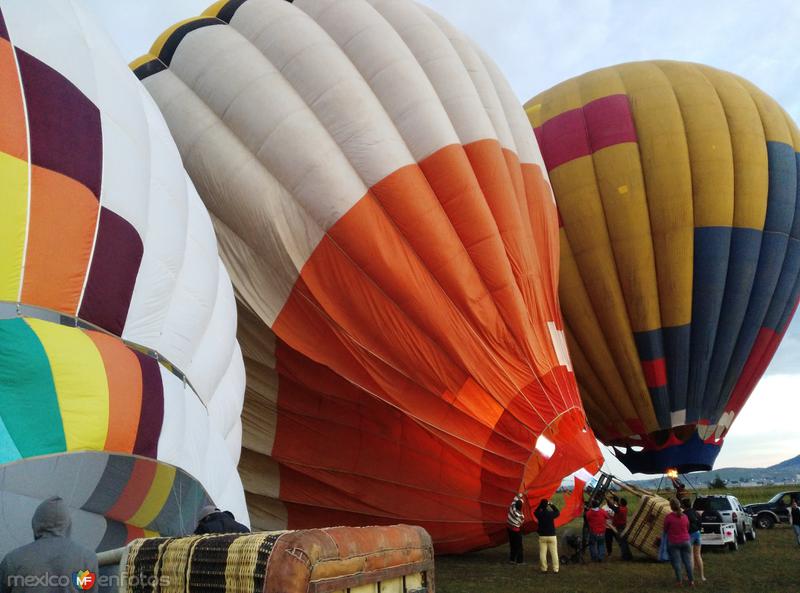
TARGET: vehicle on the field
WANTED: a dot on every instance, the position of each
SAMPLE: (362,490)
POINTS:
(729,510)
(776,510)
(714,533)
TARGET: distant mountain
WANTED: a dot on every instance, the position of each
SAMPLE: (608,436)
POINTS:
(785,472)
(792,464)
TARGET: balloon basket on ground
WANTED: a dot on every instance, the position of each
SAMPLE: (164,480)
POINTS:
(396,558)
(645,529)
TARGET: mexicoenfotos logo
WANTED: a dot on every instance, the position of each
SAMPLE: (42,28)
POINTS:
(83,579)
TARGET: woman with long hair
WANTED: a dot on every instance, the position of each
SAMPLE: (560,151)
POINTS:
(676,526)
(694,537)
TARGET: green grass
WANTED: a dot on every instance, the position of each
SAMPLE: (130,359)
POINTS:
(771,564)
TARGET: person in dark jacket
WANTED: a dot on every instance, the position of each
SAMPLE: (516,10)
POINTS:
(212,520)
(694,537)
(514,521)
(49,563)
(546,514)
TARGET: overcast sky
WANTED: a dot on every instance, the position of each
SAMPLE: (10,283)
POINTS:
(538,43)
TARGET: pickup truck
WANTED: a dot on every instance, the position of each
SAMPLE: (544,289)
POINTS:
(776,510)
(728,510)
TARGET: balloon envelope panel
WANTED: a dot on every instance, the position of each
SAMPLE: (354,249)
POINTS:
(113,498)
(677,189)
(383,210)
(118,318)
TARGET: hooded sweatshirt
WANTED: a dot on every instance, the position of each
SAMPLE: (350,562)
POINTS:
(47,564)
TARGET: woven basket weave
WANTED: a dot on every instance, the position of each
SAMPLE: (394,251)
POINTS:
(645,530)
(233,563)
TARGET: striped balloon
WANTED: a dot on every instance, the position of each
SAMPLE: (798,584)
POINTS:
(383,210)
(113,498)
(677,187)
(117,316)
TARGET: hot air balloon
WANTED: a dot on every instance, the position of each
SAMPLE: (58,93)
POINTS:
(677,188)
(119,366)
(384,213)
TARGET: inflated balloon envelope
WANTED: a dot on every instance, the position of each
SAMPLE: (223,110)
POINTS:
(117,318)
(385,215)
(677,188)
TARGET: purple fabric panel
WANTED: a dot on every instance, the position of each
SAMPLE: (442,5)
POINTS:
(152,416)
(117,255)
(3,28)
(65,131)
(609,121)
(564,138)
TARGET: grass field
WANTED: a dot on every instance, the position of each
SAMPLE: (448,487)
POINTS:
(771,564)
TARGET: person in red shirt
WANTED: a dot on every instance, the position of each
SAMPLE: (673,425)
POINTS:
(619,522)
(596,520)
(676,526)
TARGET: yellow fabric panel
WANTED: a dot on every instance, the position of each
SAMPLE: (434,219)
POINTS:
(214,9)
(156,496)
(142,60)
(159,43)
(793,131)
(668,183)
(13,223)
(534,111)
(81,385)
(709,143)
(600,83)
(772,117)
(563,97)
(621,185)
(749,149)
(597,402)
(605,336)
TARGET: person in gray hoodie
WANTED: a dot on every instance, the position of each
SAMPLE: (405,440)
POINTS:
(47,565)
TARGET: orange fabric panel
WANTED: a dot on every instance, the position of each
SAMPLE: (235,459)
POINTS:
(13,129)
(124,391)
(63,217)
(135,492)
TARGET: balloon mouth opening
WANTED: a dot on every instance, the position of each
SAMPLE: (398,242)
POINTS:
(694,454)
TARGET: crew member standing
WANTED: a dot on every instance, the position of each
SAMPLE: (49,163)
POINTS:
(546,514)
(514,523)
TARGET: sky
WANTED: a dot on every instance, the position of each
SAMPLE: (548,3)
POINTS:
(538,43)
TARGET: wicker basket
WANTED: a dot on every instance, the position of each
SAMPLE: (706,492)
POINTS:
(645,530)
(316,560)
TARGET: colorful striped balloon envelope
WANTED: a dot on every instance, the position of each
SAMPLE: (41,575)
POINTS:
(677,188)
(385,215)
(117,317)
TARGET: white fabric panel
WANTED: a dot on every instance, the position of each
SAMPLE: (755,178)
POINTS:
(57,39)
(236,82)
(390,69)
(330,86)
(277,232)
(233,440)
(194,295)
(189,441)
(225,407)
(480,78)
(165,236)
(524,138)
(443,67)
(213,354)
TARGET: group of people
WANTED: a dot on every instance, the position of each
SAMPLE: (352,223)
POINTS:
(605,525)
(546,514)
(48,563)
